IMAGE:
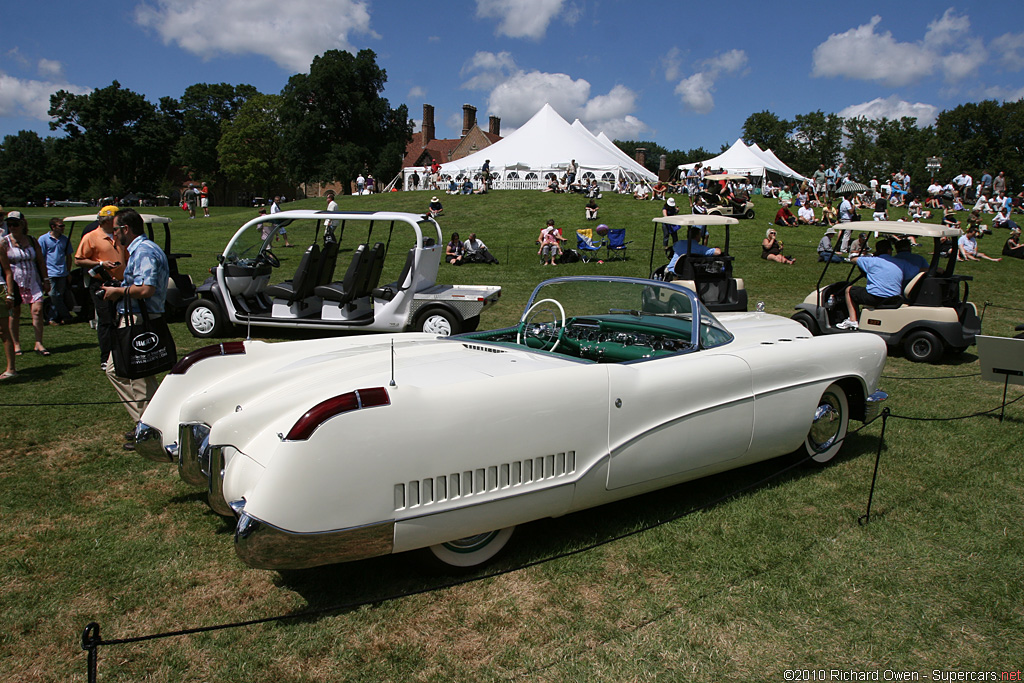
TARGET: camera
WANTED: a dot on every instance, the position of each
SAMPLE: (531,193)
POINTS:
(101,273)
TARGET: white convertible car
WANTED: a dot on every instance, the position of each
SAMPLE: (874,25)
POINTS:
(332,450)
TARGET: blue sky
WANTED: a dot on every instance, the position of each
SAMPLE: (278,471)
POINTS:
(685,74)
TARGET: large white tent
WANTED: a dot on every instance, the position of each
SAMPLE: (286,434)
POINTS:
(544,145)
(749,161)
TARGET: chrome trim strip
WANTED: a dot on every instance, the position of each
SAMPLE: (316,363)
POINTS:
(149,444)
(264,546)
(193,464)
(215,484)
(873,405)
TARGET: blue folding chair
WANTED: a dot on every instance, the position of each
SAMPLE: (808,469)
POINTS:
(586,246)
(617,243)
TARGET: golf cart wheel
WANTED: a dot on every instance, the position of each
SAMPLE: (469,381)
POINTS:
(828,428)
(439,321)
(471,324)
(808,321)
(749,214)
(922,346)
(205,319)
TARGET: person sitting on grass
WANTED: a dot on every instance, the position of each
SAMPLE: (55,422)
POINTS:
(771,249)
(476,251)
(591,210)
(1013,248)
(826,248)
(784,217)
(967,246)
(805,215)
(434,208)
(453,251)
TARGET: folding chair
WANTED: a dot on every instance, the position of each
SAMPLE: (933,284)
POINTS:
(617,242)
(585,244)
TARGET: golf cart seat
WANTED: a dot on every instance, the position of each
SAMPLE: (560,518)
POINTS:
(345,291)
(374,271)
(388,291)
(302,283)
(713,280)
(328,261)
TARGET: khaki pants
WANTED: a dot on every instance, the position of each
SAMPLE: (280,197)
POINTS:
(136,393)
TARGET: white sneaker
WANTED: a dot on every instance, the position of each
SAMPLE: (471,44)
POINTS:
(847,325)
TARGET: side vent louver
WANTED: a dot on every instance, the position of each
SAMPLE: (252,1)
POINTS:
(488,349)
(521,474)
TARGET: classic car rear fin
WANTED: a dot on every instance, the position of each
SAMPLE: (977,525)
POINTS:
(344,403)
(225,349)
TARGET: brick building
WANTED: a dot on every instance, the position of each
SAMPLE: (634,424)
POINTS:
(424,148)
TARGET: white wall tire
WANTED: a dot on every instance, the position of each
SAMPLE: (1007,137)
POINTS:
(828,429)
(472,551)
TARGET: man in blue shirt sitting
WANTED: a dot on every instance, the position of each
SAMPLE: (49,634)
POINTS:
(691,246)
(885,283)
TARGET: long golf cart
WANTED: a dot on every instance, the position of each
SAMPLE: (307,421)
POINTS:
(718,205)
(180,289)
(240,292)
(931,317)
(709,276)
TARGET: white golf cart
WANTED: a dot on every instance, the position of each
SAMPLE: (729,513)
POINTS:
(240,290)
(180,290)
(931,316)
(710,276)
(718,205)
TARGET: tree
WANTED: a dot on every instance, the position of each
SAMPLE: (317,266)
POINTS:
(200,113)
(652,152)
(768,131)
(117,139)
(250,147)
(982,136)
(817,139)
(864,158)
(336,124)
(22,168)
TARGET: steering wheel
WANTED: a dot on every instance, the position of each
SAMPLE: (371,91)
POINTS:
(270,257)
(544,332)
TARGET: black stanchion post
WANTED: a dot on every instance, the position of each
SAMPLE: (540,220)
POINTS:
(90,642)
(866,517)
(1006,385)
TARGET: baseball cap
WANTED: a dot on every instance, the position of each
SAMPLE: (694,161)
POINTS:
(106,212)
(15,215)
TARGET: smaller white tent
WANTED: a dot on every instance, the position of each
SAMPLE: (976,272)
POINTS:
(749,161)
(544,145)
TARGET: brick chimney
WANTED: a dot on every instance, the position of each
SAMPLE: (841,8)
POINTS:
(641,155)
(494,126)
(468,118)
(428,124)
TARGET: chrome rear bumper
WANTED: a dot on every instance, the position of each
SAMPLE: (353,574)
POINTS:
(873,405)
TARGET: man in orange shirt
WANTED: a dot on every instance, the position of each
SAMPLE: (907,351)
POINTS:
(100,251)
(204,200)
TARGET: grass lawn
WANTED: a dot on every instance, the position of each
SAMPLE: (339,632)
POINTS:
(780,577)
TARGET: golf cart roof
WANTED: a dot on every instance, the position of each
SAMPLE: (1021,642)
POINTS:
(909,228)
(90,217)
(725,176)
(696,219)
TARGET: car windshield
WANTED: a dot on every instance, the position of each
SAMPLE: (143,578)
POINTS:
(643,302)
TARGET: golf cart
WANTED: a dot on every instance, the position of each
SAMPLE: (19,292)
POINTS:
(931,317)
(240,290)
(180,290)
(709,276)
(718,205)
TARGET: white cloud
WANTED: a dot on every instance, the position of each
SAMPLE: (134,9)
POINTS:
(672,63)
(290,35)
(864,53)
(696,91)
(28,98)
(50,68)
(1010,48)
(516,95)
(523,18)
(893,108)
(416,93)
(1004,94)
